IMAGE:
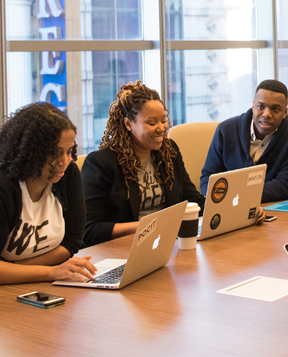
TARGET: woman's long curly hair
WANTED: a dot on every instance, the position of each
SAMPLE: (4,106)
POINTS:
(29,137)
(129,101)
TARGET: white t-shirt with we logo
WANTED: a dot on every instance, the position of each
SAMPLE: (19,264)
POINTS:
(40,228)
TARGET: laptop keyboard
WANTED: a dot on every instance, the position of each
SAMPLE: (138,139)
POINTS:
(111,277)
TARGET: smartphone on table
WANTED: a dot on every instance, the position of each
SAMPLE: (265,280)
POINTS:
(270,218)
(40,299)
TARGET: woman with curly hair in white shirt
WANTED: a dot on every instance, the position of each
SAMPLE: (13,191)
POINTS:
(42,212)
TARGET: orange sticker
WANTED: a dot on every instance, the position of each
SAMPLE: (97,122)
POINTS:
(219,190)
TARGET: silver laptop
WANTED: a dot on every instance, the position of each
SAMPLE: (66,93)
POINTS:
(233,200)
(151,249)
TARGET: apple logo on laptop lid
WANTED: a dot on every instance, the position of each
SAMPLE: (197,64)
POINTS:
(236,200)
(156,242)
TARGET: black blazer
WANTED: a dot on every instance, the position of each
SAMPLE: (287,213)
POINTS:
(106,193)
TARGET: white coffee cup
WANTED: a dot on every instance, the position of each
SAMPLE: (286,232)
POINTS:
(187,235)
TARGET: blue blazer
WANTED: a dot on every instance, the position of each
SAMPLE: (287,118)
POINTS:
(230,150)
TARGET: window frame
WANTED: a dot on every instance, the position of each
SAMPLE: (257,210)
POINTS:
(153,46)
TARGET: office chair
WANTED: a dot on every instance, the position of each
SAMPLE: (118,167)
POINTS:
(80,161)
(193,140)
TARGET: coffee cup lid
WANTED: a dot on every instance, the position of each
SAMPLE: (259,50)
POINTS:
(192,207)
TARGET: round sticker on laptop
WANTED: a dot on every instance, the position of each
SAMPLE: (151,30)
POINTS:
(219,190)
(215,221)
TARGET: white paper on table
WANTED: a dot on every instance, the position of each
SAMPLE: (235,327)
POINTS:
(259,288)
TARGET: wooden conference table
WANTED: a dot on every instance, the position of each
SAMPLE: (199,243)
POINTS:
(171,312)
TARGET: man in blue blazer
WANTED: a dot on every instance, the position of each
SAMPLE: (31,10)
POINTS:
(256,137)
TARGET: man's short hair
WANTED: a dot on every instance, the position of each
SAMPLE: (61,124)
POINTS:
(273,85)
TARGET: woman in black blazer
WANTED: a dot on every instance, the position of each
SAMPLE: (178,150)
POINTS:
(137,169)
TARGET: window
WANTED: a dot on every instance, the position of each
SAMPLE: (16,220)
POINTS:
(205,57)
(207,84)
(282,13)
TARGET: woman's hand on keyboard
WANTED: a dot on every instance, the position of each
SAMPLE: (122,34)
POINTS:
(77,269)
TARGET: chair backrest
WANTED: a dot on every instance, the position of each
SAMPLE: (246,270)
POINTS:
(80,161)
(193,140)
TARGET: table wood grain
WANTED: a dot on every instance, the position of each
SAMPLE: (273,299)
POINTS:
(174,311)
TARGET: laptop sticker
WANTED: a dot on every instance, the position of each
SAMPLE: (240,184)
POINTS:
(215,221)
(255,178)
(252,213)
(219,190)
(146,231)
